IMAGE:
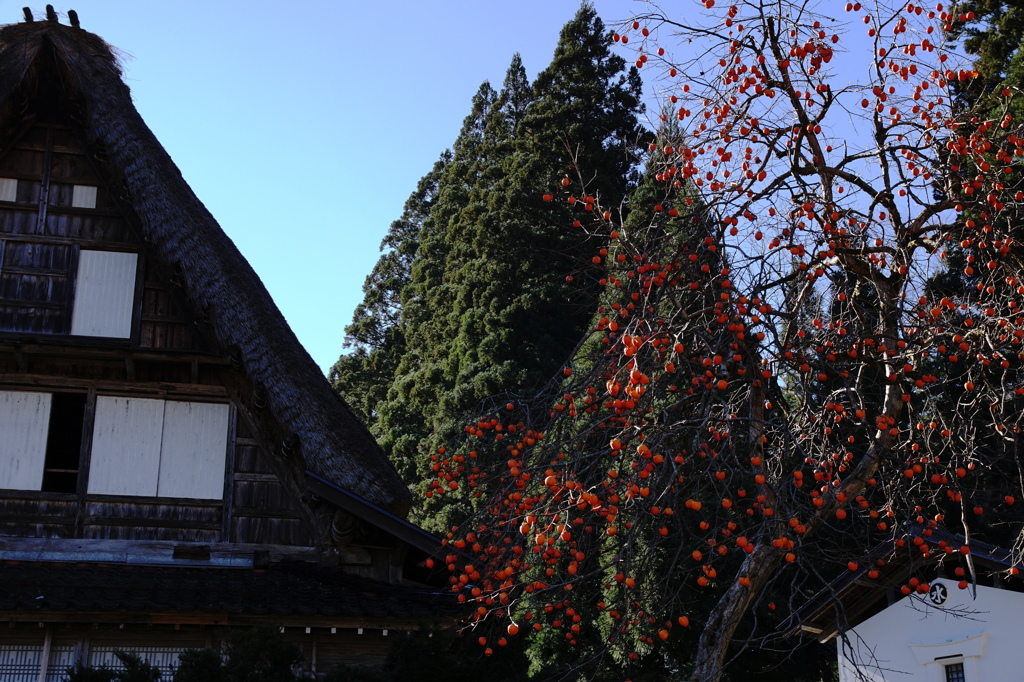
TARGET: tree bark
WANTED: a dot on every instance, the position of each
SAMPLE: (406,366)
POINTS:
(721,625)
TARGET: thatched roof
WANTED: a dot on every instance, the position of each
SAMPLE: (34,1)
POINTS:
(179,231)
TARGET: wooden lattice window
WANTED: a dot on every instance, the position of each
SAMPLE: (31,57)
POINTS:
(21,662)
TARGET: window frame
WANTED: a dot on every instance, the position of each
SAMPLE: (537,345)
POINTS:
(76,290)
(87,454)
(946,670)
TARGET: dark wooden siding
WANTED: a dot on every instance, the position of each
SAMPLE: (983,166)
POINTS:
(41,233)
(147,519)
(165,323)
(32,515)
(263,510)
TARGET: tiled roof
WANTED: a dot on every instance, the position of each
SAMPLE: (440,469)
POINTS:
(284,589)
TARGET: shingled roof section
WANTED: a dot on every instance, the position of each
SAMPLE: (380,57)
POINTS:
(283,589)
(218,280)
(853,597)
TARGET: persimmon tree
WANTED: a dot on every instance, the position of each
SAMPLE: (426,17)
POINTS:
(774,383)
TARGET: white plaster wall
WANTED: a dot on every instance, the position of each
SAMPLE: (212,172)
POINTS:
(902,642)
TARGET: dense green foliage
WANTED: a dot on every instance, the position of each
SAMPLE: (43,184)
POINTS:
(433,656)
(470,299)
(993,38)
(376,336)
(257,655)
(135,670)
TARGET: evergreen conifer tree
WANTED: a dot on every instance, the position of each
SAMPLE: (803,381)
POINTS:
(497,314)
(375,334)
(402,417)
(470,299)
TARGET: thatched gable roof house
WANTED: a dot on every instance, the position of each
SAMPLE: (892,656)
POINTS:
(314,422)
(172,462)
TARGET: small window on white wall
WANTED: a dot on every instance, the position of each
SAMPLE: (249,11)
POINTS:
(104,294)
(24,421)
(83,196)
(954,672)
(157,448)
(8,189)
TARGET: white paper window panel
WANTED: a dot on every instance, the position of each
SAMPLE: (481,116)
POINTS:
(126,446)
(24,422)
(193,450)
(156,448)
(83,196)
(8,189)
(104,294)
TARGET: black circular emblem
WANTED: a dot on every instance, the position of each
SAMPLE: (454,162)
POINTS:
(938,594)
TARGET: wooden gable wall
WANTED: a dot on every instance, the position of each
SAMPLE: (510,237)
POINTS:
(257,510)
(166,355)
(42,236)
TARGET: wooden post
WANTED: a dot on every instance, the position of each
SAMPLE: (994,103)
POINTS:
(227,499)
(44,658)
(312,658)
(84,463)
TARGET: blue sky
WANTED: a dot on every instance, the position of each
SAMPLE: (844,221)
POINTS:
(304,127)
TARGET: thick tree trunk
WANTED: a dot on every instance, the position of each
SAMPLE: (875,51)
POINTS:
(721,625)
(765,560)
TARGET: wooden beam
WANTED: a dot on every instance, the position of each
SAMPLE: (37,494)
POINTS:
(88,347)
(37,495)
(257,478)
(44,192)
(100,244)
(22,303)
(137,389)
(39,272)
(259,513)
(157,501)
(383,519)
(44,656)
(140,289)
(136,522)
(352,622)
(74,251)
(156,551)
(65,179)
(229,475)
(56,148)
(85,462)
